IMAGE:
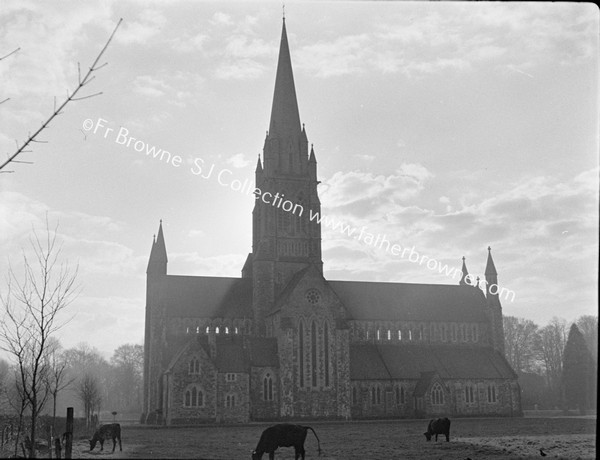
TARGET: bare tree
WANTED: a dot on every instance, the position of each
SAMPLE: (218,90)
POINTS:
(588,326)
(550,346)
(519,339)
(4,373)
(128,364)
(89,393)
(32,305)
(87,78)
(17,400)
(57,373)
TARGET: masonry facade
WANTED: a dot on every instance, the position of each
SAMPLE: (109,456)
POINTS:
(282,342)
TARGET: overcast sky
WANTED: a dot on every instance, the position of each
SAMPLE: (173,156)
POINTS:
(447,127)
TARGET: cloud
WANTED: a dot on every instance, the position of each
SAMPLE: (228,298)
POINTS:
(238,161)
(241,69)
(364,193)
(149,25)
(186,43)
(221,19)
(175,88)
(344,55)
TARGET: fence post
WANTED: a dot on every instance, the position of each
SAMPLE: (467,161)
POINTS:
(69,433)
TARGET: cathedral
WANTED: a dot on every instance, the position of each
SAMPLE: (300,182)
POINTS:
(281,342)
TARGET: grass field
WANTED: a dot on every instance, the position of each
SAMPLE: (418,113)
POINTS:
(483,438)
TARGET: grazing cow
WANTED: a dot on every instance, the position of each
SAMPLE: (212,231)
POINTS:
(111,431)
(438,426)
(283,435)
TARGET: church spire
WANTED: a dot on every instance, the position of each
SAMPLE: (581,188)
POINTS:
(465,273)
(285,118)
(158,254)
(490,269)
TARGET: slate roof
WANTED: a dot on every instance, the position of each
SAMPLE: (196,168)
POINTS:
(423,384)
(410,302)
(206,296)
(213,297)
(385,362)
(234,353)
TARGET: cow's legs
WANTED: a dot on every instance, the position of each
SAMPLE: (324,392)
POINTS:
(101,444)
(120,446)
(272,455)
(114,444)
(300,452)
(447,437)
(436,435)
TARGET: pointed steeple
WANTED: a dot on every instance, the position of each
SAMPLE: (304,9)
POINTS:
(285,118)
(158,254)
(465,273)
(258,166)
(490,269)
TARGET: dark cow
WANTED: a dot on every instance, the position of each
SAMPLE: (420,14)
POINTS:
(111,431)
(283,435)
(438,426)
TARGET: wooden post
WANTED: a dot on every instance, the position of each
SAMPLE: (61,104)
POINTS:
(69,433)
(57,447)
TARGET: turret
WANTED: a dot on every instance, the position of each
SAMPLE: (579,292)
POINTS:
(465,274)
(157,264)
(494,307)
(312,164)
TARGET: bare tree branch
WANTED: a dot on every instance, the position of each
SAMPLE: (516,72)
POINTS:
(11,53)
(81,83)
(32,305)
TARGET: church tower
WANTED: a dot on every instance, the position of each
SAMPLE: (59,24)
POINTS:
(155,273)
(284,237)
(493,304)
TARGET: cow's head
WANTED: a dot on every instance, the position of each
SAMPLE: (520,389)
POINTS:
(92,443)
(427,435)
(256,455)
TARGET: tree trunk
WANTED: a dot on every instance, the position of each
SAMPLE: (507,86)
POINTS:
(33,420)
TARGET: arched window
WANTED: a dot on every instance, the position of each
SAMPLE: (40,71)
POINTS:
(299,215)
(399,334)
(301,353)
(194,366)
(354,396)
(378,394)
(373,395)
(326,351)
(378,335)
(474,333)
(389,335)
(444,333)
(268,388)
(399,395)
(437,394)
(410,334)
(314,354)
(469,396)
(193,396)
(491,390)
(230,401)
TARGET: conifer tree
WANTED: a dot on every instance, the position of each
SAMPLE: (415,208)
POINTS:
(578,372)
